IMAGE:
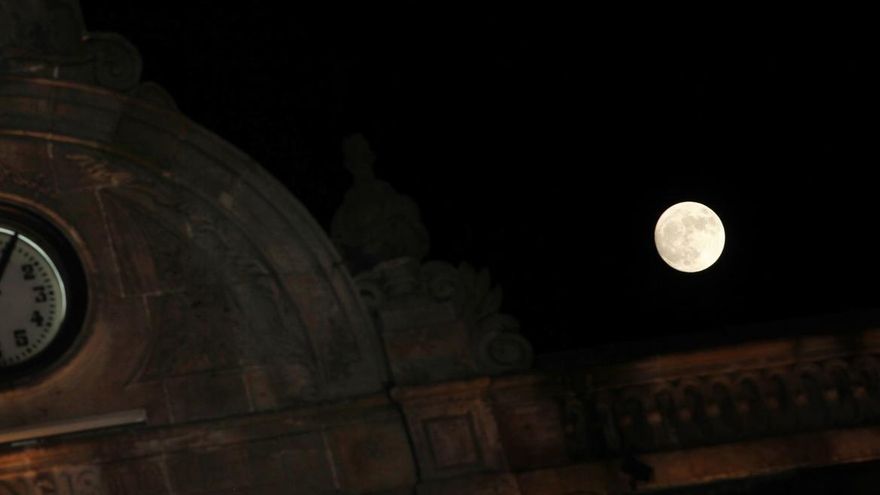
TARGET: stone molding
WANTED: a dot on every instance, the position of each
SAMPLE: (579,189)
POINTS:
(48,39)
(727,395)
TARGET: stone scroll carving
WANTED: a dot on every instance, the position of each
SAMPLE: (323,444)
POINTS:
(442,322)
(48,39)
(115,62)
(497,343)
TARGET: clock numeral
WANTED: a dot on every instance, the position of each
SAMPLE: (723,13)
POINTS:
(28,272)
(37,318)
(41,294)
(21,338)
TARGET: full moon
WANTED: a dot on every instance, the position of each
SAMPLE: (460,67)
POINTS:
(689,237)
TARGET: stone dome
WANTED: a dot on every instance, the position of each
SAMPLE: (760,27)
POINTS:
(211,290)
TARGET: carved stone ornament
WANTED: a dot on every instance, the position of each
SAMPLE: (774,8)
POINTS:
(442,322)
(48,39)
(713,408)
(375,223)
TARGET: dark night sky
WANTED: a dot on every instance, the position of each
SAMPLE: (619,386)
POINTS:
(544,146)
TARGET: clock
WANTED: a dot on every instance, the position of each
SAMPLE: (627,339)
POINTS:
(42,293)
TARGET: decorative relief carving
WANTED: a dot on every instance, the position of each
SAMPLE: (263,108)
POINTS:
(115,61)
(471,292)
(716,408)
(82,480)
(202,274)
(98,169)
(452,427)
(47,38)
(339,361)
(402,287)
(35,182)
(381,236)
(453,441)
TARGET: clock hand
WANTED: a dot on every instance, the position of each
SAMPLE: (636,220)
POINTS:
(6,255)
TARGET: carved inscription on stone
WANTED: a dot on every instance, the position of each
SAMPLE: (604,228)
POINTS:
(69,480)
(36,182)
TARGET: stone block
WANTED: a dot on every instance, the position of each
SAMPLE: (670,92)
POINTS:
(532,434)
(452,428)
(135,477)
(490,484)
(307,465)
(426,352)
(273,387)
(207,395)
(140,134)
(208,472)
(372,456)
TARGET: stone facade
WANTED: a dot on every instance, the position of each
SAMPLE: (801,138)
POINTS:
(222,315)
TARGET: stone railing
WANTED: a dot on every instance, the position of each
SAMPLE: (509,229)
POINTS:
(678,420)
(732,394)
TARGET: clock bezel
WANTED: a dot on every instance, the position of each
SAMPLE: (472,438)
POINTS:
(60,250)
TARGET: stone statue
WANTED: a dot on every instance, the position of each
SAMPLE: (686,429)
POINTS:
(375,223)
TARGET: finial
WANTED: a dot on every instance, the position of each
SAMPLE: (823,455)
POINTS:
(48,39)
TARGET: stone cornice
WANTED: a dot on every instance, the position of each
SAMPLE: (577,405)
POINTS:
(724,395)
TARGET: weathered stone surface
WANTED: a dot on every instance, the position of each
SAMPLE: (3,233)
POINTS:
(49,40)
(218,306)
(452,429)
(361,447)
(273,387)
(486,484)
(209,471)
(439,322)
(73,480)
(369,457)
(375,223)
(212,394)
(208,288)
(732,394)
(531,422)
(135,477)
(358,447)
(76,168)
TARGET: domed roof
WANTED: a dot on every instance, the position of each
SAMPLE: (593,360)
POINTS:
(212,291)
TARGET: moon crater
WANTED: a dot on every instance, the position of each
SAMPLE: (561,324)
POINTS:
(689,237)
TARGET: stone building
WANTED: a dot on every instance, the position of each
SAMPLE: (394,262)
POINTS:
(196,332)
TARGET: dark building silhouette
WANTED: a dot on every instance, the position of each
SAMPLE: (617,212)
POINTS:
(208,336)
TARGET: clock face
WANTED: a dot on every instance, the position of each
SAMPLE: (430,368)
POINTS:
(42,294)
(33,298)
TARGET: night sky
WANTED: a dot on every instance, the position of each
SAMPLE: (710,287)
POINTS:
(544,145)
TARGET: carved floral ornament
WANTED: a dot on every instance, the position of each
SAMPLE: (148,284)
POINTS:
(495,343)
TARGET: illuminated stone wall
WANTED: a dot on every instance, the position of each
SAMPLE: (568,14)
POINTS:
(222,319)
